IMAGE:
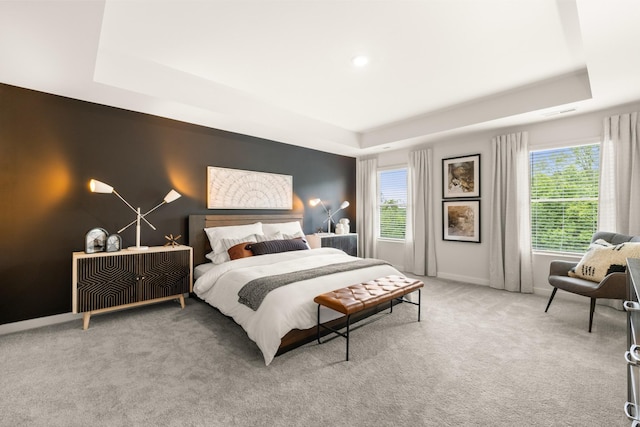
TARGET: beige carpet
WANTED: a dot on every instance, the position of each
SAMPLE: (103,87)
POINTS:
(480,357)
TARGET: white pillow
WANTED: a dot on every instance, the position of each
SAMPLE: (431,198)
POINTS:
(229,243)
(296,235)
(289,230)
(215,234)
(265,237)
(602,259)
(286,228)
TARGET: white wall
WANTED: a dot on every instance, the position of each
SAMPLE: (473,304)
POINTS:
(469,262)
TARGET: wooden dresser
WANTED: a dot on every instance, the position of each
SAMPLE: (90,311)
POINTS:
(108,281)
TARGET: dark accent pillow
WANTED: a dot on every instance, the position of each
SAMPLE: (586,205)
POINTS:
(241,250)
(277,246)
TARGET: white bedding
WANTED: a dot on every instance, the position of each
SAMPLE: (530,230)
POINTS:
(286,308)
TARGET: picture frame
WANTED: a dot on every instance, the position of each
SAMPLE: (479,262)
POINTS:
(114,243)
(242,189)
(95,240)
(461,221)
(461,177)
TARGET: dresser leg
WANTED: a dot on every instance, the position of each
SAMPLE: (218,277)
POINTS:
(86,316)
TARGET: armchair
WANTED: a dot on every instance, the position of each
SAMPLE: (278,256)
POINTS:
(613,286)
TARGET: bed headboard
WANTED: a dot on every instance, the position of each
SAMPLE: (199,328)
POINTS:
(197,223)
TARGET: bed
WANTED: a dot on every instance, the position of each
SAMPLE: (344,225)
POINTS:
(285,317)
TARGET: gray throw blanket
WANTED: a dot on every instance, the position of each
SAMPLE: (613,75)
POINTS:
(256,290)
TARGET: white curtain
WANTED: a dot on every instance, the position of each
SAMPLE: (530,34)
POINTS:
(510,266)
(420,257)
(367,206)
(619,199)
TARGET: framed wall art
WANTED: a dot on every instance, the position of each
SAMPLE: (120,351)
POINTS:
(461,177)
(461,220)
(240,189)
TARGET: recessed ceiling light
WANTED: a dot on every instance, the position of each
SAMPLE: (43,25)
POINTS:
(360,60)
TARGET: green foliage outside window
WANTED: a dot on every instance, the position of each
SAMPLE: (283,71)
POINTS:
(393,220)
(564,198)
(392,203)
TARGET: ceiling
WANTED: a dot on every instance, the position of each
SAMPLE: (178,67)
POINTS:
(282,70)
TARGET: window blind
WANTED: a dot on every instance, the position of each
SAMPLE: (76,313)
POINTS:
(564,197)
(392,203)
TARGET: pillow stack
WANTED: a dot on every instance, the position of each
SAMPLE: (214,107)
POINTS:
(216,235)
(240,241)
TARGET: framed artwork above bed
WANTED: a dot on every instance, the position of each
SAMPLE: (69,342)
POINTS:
(241,189)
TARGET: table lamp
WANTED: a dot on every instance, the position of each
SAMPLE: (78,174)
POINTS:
(100,187)
(329,220)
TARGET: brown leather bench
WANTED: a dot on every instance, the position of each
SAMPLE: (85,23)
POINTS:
(355,298)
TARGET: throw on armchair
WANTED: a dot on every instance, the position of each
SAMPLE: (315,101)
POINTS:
(600,273)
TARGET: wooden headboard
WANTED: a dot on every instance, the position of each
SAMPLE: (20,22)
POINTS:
(197,223)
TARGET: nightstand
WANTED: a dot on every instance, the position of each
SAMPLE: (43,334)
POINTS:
(346,242)
(108,281)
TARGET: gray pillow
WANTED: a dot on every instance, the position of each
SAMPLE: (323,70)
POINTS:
(277,246)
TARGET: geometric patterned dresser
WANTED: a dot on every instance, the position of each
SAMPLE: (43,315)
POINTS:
(108,281)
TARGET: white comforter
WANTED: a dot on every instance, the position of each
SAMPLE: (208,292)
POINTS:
(286,308)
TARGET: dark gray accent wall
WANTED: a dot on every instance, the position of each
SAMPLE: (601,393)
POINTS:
(51,146)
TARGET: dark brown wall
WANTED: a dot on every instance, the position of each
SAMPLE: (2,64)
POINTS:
(51,146)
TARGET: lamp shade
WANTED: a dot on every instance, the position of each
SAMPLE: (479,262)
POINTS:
(314,202)
(171,196)
(100,187)
(344,204)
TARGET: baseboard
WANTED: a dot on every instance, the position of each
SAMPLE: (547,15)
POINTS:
(465,279)
(24,325)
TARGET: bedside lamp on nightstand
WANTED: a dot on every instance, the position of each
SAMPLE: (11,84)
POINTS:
(329,220)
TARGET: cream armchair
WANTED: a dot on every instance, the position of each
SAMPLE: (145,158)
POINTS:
(613,286)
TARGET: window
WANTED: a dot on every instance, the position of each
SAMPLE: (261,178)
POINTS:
(564,197)
(392,203)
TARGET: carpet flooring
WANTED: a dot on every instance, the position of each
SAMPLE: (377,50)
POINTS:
(480,357)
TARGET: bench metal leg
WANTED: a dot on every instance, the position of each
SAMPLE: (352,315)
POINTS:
(419,303)
(360,324)
(318,326)
(348,321)
(344,334)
